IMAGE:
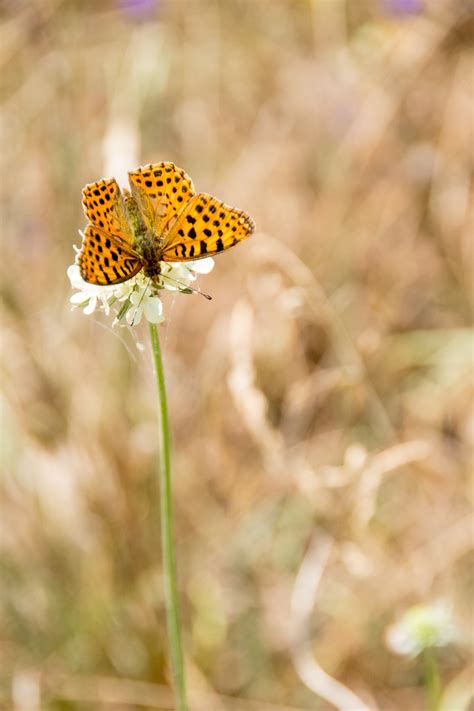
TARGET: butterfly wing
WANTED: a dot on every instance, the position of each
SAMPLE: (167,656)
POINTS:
(104,208)
(106,258)
(161,191)
(205,227)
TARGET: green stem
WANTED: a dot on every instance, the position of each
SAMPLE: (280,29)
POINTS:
(166,506)
(432,679)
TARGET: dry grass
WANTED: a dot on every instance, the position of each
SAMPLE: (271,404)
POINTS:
(321,403)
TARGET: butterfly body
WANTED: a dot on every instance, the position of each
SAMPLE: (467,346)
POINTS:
(134,215)
(160,219)
(148,248)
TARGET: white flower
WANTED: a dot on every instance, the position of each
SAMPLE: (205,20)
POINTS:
(421,627)
(184,272)
(150,306)
(89,295)
(136,297)
(201,266)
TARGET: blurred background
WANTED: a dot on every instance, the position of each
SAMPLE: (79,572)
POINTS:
(320,404)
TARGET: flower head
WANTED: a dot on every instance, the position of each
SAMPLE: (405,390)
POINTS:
(138,296)
(421,627)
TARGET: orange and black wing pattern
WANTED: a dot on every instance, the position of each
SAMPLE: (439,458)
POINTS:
(161,190)
(206,227)
(107,255)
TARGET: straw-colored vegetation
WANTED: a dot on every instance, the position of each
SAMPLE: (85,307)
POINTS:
(320,404)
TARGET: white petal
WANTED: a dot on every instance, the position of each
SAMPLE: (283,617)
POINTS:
(399,642)
(153,309)
(134,315)
(105,304)
(179,273)
(72,271)
(89,290)
(79,298)
(190,277)
(74,276)
(123,291)
(202,266)
(90,308)
(136,297)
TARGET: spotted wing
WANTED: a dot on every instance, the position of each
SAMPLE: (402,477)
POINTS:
(205,227)
(105,258)
(161,191)
(104,207)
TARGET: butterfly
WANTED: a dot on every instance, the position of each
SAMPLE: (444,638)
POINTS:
(161,218)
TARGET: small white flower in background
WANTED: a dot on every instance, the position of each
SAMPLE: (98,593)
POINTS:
(421,627)
(136,297)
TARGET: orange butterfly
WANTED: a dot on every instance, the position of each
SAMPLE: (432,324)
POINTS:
(161,218)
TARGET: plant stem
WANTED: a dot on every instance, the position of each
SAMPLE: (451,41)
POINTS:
(166,507)
(432,679)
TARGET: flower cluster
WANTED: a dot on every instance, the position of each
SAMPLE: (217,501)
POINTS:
(421,627)
(138,296)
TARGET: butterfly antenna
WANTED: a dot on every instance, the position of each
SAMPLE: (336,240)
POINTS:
(185,286)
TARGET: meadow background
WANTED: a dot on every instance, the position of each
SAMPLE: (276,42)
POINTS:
(320,404)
